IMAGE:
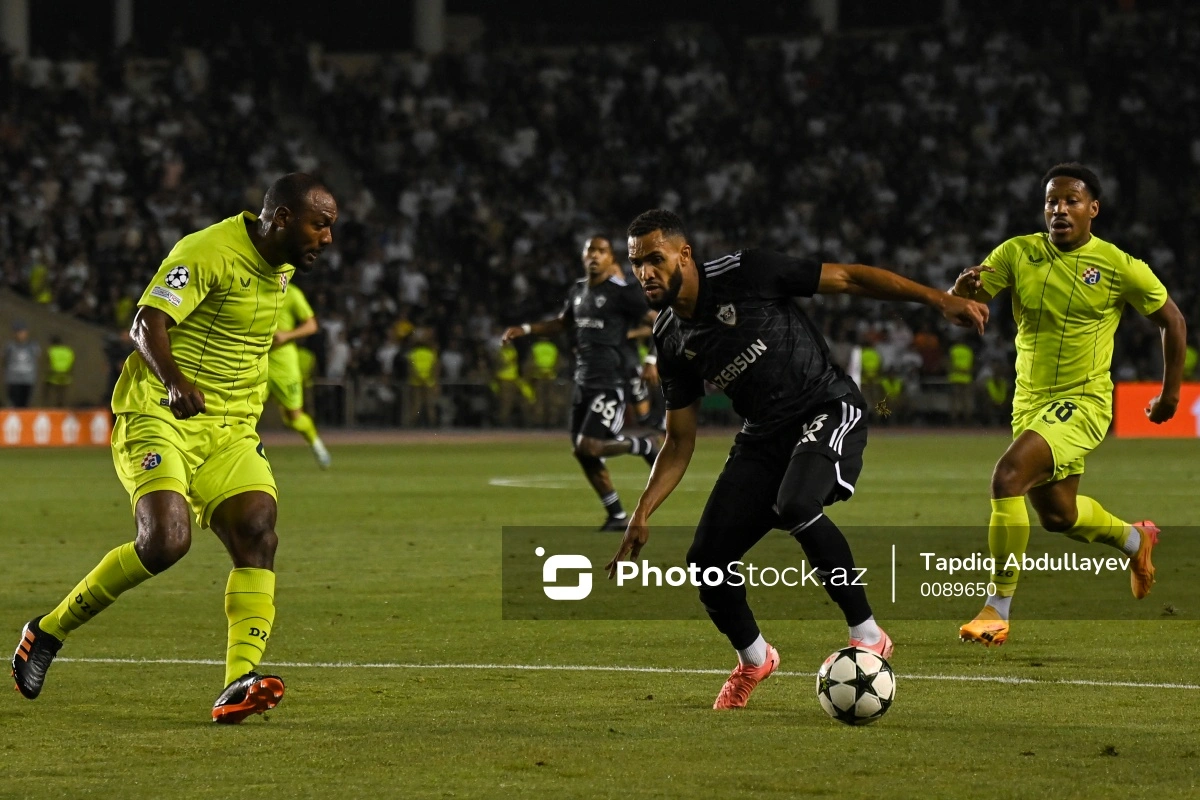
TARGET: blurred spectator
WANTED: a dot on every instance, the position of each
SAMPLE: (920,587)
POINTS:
(21,357)
(471,176)
(422,389)
(59,376)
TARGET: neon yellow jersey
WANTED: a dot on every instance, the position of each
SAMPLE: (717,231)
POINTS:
(225,301)
(294,311)
(1067,307)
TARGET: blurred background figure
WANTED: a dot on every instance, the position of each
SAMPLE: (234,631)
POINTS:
(61,362)
(21,356)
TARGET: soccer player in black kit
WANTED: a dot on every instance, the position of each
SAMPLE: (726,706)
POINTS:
(732,322)
(599,312)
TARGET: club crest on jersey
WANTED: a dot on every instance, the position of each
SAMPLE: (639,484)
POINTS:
(151,460)
(1091,276)
(727,314)
(600,301)
(283,282)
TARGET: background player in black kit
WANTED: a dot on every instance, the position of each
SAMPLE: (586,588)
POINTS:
(599,312)
(731,321)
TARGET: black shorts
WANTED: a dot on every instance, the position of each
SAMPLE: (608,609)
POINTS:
(747,492)
(639,392)
(838,431)
(597,412)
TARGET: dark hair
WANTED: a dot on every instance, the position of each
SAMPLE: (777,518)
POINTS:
(1073,169)
(291,192)
(658,219)
(603,236)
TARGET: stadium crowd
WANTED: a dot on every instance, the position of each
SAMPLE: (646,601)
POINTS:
(470,179)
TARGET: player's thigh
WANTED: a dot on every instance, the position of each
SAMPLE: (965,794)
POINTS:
(639,390)
(237,464)
(151,454)
(1071,427)
(836,431)
(597,413)
(286,386)
(740,511)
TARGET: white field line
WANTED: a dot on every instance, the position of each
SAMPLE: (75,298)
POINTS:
(601,668)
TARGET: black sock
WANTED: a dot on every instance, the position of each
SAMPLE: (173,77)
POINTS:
(612,504)
(827,550)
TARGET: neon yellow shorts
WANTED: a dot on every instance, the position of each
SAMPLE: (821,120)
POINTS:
(205,462)
(1073,427)
(286,385)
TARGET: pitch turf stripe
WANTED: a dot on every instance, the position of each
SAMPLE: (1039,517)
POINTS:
(210,662)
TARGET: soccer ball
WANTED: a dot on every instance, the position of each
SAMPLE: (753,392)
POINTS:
(855,686)
(178,277)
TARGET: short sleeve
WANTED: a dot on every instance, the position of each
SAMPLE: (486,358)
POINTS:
(302,308)
(1002,261)
(183,280)
(680,386)
(779,275)
(1140,287)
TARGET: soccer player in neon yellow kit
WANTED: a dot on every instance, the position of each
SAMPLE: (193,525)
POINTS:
(184,440)
(284,379)
(1068,291)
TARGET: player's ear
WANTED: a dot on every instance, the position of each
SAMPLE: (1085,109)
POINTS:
(283,216)
(1095,209)
(685,253)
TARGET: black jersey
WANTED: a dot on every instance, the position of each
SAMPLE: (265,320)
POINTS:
(600,318)
(750,340)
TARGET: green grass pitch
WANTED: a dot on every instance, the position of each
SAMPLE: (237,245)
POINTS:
(392,559)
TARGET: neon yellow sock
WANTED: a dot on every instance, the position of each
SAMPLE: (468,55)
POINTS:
(1094,524)
(119,571)
(250,607)
(304,426)
(1008,535)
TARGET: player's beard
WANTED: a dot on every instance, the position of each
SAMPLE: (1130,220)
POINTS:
(674,284)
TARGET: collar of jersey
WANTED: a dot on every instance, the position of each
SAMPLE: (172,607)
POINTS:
(259,261)
(1092,243)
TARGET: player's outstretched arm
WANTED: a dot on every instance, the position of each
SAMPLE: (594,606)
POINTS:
(884,285)
(1171,323)
(149,333)
(669,467)
(306,328)
(548,327)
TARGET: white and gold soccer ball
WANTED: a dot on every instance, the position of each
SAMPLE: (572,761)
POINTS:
(855,686)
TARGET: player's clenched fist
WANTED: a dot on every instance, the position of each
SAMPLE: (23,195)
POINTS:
(515,332)
(185,400)
(1161,409)
(969,282)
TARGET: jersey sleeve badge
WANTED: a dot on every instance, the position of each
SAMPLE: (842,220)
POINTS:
(178,277)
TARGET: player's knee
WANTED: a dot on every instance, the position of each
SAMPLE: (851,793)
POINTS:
(161,543)
(797,511)
(588,449)
(1058,520)
(1008,480)
(254,534)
